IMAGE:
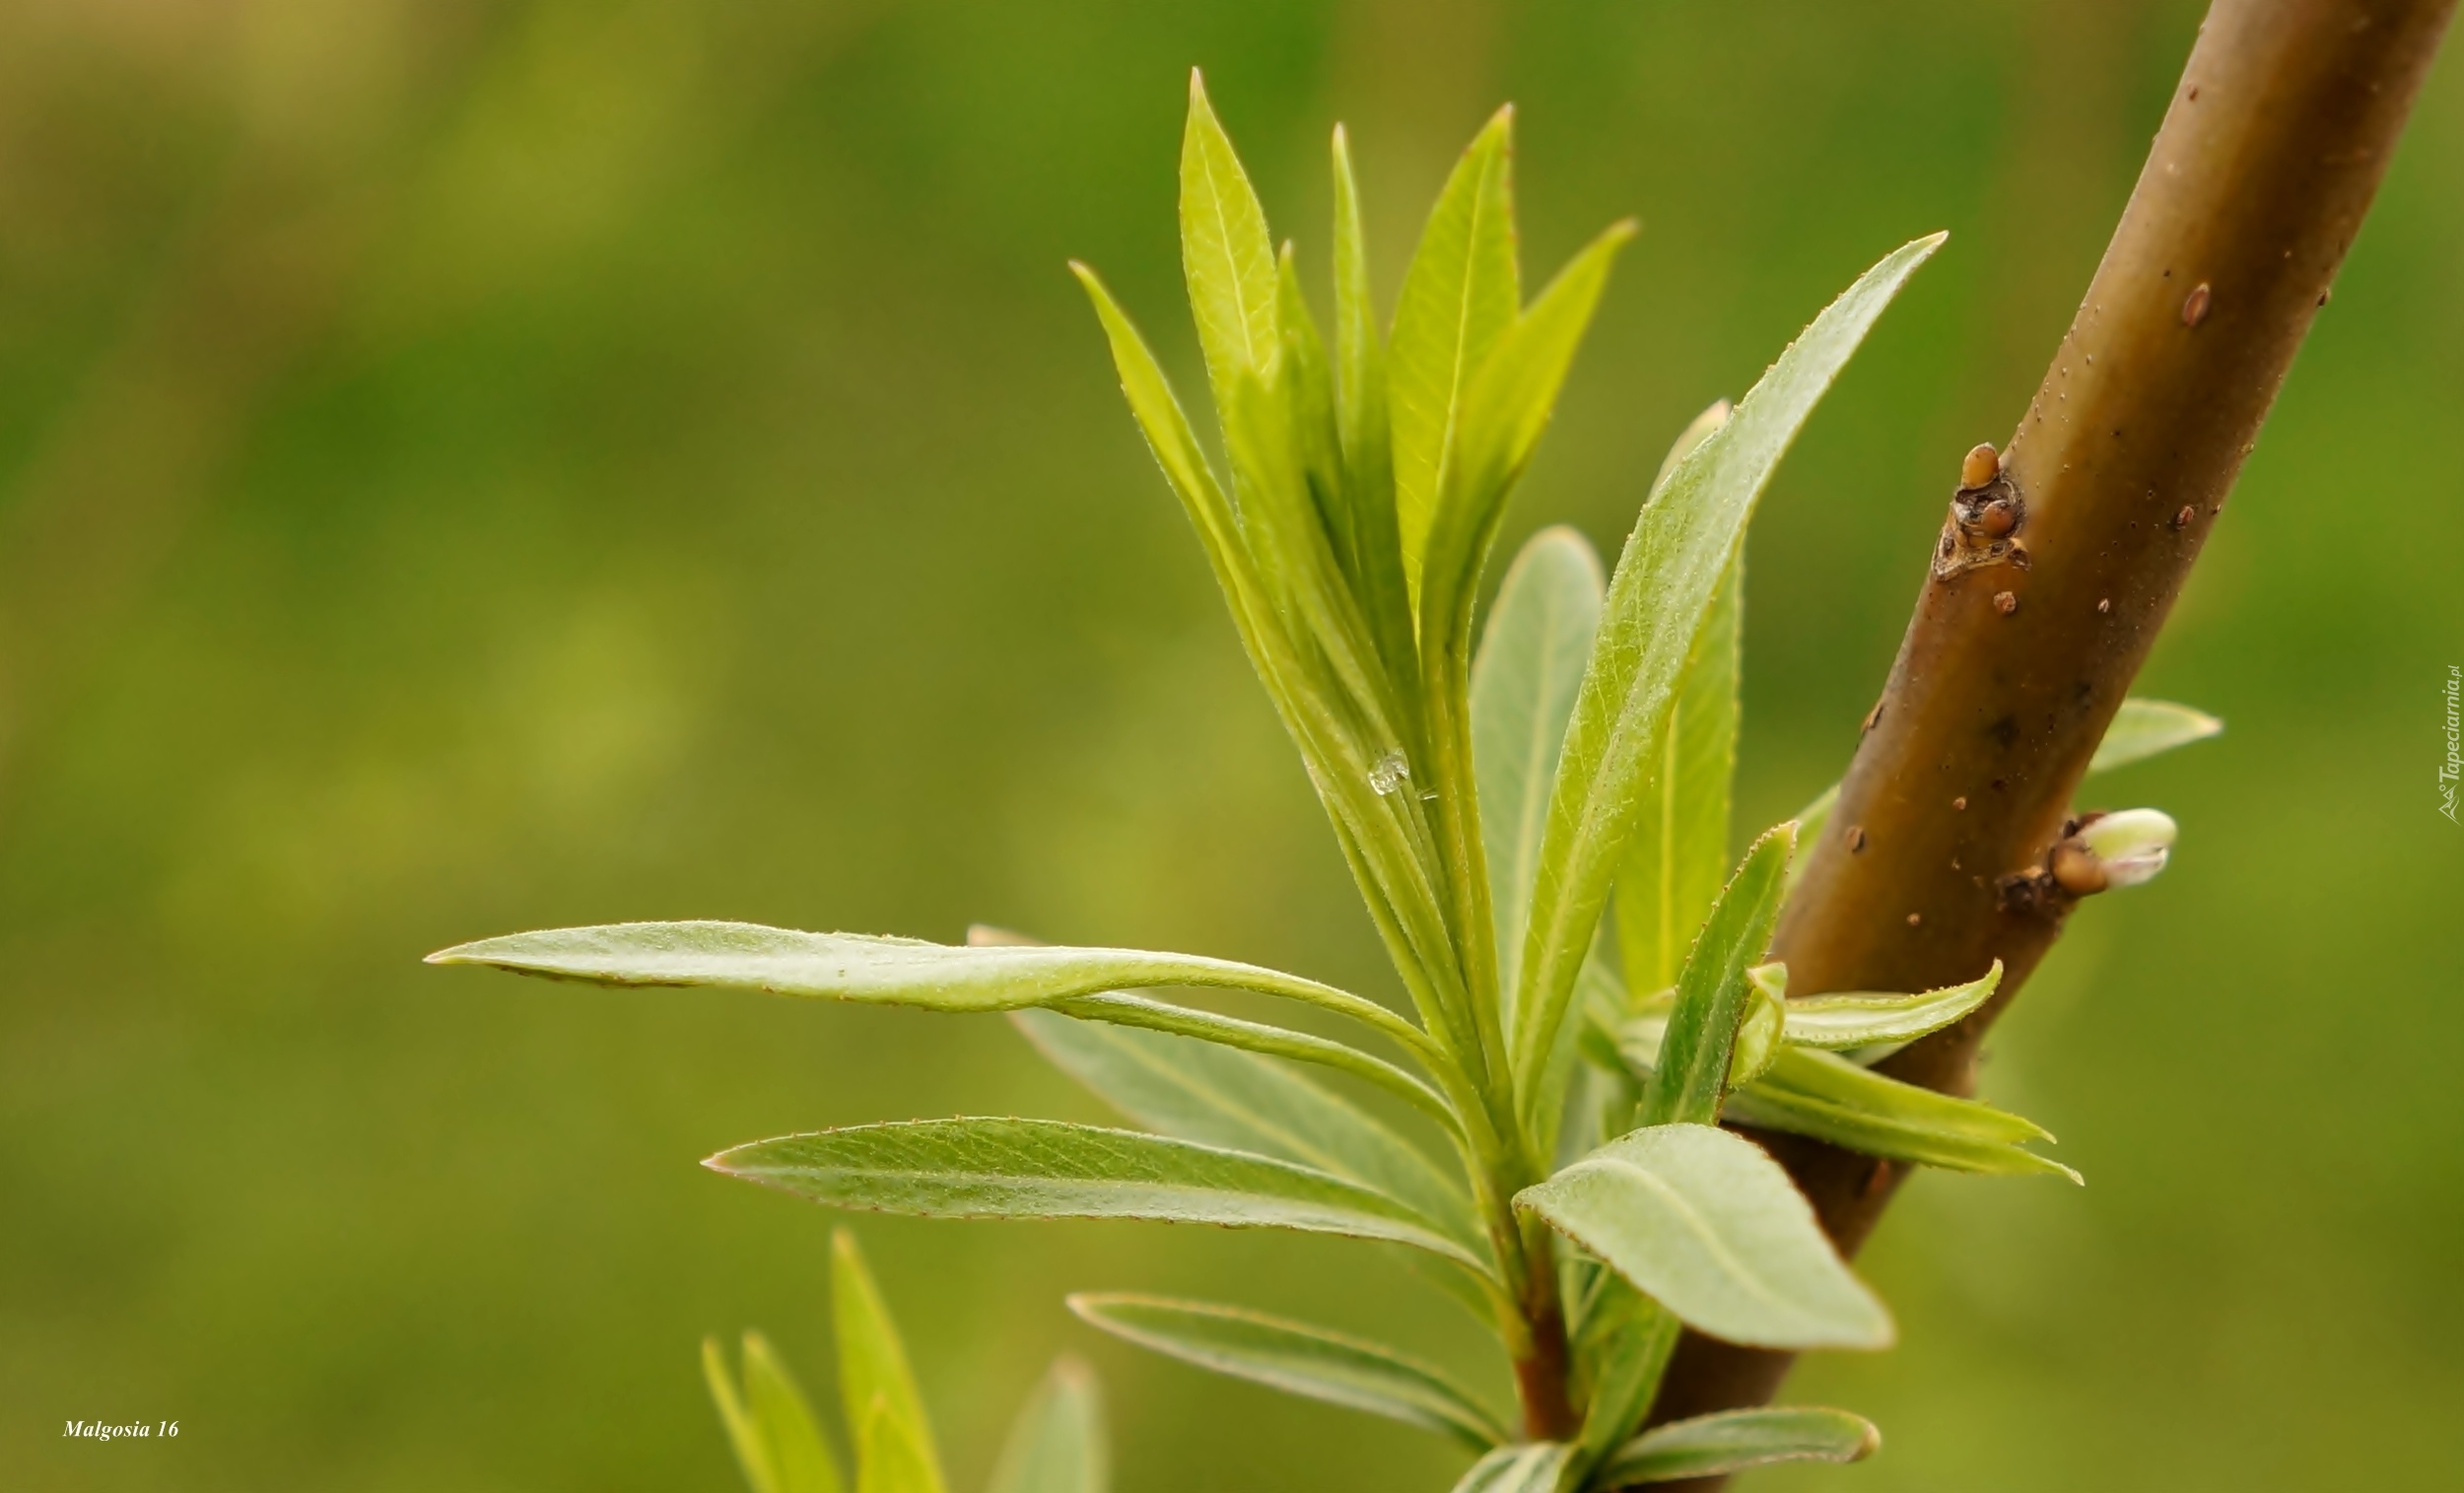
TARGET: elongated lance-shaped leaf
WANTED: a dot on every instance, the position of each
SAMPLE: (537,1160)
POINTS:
(1305,381)
(1678,854)
(1049,1169)
(876,1384)
(2144,729)
(1057,1443)
(1135,1009)
(1459,295)
(745,1435)
(1382,840)
(892,1459)
(1282,439)
(1375,545)
(869,968)
(1732,1441)
(1500,421)
(1712,990)
(1522,682)
(1296,1358)
(1536,1466)
(1709,1226)
(1151,1015)
(1225,252)
(1816,1094)
(778,1442)
(1658,600)
(1629,1339)
(1196,1091)
(1843,1021)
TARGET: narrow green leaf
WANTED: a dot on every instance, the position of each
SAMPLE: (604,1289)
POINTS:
(1692,1069)
(1225,252)
(893,1459)
(1048,1169)
(864,967)
(799,1454)
(1531,659)
(1149,1014)
(1730,1440)
(1194,1090)
(1659,599)
(1843,1021)
(1498,425)
(2143,728)
(1058,1444)
(1678,854)
(1710,1226)
(1459,297)
(1817,1094)
(744,1432)
(1169,437)
(1383,838)
(1537,1466)
(876,1385)
(1511,397)
(1295,1358)
(1367,431)
(1628,1338)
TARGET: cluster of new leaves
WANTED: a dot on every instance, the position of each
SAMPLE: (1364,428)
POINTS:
(1492,813)
(1056,1446)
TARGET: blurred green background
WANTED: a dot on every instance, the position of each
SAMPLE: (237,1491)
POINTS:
(467,466)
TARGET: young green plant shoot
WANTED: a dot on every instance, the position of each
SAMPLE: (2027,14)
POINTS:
(1541,833)
(1056,1446)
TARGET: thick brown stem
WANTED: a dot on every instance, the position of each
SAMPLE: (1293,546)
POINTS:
(2025,637)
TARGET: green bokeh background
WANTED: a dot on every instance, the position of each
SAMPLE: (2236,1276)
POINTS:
(466,466)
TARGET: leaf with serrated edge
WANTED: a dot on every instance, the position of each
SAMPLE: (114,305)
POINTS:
(2143,728)
(1459,297)
(974,1168)
(1058,1444)
(1296,1358)
(1730,1440)
(1226,255)
(1197,1091)
(876,1385)
(1537,1466)
(1658,600)
(1531,652)
(1708,1225)
(1855,1020)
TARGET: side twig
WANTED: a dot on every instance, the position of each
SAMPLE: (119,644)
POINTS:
(2054,573)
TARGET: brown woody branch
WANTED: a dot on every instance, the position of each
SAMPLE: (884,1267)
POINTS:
(2027,636)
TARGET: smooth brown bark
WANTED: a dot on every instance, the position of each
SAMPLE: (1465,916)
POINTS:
(2014,665)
